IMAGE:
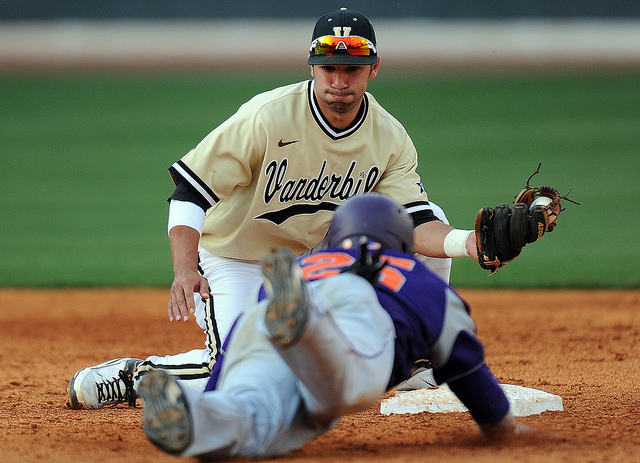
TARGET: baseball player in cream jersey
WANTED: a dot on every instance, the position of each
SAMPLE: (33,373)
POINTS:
(269,177)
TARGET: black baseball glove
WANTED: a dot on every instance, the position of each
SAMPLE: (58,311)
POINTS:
(503,231)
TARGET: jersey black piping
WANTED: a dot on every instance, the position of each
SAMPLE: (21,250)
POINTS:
(420,212)
(333,132)
(180,170)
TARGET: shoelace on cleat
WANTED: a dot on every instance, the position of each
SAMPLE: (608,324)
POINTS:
(111,393)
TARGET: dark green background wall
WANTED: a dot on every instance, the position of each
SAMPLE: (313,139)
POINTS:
(42,9)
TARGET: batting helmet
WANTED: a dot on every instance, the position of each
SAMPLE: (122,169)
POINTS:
(376,216)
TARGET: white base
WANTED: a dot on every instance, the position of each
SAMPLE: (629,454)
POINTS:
(524,401)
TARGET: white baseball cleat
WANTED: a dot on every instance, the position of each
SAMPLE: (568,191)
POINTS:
(107,384)
(421,378)
(166,421)
(289,298)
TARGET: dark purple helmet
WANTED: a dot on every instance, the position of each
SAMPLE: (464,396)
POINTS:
(376,216)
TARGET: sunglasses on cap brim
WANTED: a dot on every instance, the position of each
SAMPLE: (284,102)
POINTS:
(354,45)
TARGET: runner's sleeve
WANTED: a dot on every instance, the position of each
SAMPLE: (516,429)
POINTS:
(481,393)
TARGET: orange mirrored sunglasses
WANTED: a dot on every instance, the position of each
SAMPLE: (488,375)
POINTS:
(354,45)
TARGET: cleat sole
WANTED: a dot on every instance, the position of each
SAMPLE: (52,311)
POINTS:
(166,421)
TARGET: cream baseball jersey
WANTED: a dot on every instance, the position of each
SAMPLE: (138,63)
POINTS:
(273,173)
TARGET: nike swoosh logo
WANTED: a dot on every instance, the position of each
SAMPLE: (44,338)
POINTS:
(285,143)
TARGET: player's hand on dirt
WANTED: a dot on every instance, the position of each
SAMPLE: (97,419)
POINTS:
(510,429)
(181,297)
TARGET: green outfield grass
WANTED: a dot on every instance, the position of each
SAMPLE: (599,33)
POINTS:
(85,157)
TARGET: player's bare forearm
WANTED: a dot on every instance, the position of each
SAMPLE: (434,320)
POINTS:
(187,280)
(429,240)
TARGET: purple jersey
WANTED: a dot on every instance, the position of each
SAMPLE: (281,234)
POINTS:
(431,322)
(430,319)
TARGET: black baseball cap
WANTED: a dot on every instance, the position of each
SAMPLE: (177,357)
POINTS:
(358,44)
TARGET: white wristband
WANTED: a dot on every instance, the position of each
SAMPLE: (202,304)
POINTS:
(455,243)
(187,214)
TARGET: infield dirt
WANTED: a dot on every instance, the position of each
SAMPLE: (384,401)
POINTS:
(581,345)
